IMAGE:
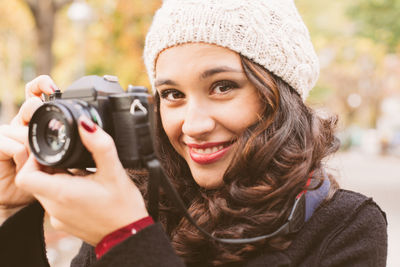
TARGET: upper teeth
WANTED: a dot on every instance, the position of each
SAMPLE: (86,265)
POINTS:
(207,150)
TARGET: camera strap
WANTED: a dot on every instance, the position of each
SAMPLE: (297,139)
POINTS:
(303,207)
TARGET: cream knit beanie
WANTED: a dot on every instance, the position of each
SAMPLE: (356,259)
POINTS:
(269,32)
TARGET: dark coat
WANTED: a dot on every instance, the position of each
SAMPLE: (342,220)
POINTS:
(350,230)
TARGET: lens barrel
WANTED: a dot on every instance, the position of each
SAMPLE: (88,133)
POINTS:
(53,134)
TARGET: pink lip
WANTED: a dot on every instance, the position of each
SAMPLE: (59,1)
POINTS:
(207,158)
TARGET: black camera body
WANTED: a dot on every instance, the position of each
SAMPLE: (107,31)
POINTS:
(53,129)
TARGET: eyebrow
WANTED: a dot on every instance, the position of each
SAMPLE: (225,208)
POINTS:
(204,75)
(217,70)
(165,82)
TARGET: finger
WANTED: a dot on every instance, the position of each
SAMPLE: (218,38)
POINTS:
(13,144)
(39,85)
(11,149)
(26,111)
(79,172)
(100,145)
(20,158)
(17,133)
(56,224)
(31,178)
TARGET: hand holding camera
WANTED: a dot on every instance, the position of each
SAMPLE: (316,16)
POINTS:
(92,206)
(88,207)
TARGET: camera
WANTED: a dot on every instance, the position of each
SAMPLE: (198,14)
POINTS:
(53,131)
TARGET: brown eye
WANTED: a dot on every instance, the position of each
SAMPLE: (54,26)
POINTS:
(171,94)
(223,87)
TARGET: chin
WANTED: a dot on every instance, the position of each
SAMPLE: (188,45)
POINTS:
(209,184)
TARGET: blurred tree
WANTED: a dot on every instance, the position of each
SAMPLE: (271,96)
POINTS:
(119,38)
(11,66)
(14,26)
(44,12)
(352,80)
(379,20)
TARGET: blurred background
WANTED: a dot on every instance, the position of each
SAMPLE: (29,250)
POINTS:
(358,43)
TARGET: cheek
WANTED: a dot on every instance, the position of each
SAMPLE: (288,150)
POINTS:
(251,111)
(171,125)
(241,117)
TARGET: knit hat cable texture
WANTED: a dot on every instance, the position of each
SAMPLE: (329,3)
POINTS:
(269,32)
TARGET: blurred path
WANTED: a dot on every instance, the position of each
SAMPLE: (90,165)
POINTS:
(377,177)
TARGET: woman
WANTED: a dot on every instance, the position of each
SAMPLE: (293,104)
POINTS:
(235,138)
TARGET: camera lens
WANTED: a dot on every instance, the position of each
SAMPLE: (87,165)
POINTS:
(54,137)
(56,134)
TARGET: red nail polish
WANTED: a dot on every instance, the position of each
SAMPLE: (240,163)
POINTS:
(88,125)
(52,88)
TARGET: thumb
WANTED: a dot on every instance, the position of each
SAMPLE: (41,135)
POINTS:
(101,146)
(26,111)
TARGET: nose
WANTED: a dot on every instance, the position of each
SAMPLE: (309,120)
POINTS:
(198,121)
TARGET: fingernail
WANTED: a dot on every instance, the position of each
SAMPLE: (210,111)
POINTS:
(52,87)
(87,124)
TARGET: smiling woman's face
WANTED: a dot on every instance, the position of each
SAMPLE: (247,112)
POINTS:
(206,102)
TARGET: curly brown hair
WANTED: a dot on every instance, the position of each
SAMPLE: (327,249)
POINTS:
(274,158)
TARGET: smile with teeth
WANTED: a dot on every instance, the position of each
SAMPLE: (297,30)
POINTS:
(208,150)
(208,153)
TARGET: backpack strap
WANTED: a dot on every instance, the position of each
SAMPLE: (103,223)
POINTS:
(315,197)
